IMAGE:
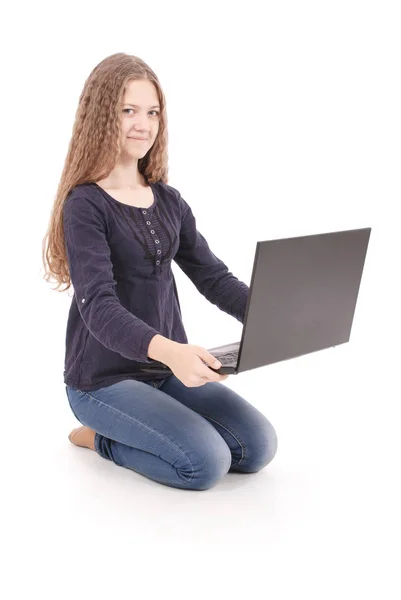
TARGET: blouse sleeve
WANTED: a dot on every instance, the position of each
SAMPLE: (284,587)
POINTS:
(91,272)
(209,274)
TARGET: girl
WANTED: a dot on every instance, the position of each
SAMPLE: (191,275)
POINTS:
(115,227)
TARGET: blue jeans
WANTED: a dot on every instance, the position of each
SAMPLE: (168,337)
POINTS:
(183,437)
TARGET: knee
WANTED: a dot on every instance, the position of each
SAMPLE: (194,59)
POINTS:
(210,466)
(260,449)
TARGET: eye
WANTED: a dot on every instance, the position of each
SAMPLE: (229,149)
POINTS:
(154,111)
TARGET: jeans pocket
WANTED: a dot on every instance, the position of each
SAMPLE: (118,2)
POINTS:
(159,382)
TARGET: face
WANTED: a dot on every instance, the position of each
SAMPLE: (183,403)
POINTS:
(140,118)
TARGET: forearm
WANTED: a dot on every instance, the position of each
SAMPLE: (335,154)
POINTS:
(160,348)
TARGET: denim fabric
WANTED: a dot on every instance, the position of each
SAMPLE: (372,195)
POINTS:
(183,437)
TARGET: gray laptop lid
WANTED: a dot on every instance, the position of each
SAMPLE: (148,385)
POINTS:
(304,293)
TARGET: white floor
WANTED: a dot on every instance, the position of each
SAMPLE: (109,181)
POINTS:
(322,521)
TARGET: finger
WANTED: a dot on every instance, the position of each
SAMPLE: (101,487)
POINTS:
(212,376)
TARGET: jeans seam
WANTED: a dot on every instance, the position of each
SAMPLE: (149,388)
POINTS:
(233,433)
(144,425)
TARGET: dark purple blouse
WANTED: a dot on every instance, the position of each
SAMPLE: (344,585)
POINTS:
(125,293)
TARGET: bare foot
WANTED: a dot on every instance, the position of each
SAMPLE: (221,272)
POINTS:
(83,436)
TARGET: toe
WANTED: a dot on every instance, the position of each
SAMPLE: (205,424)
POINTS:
(73,434)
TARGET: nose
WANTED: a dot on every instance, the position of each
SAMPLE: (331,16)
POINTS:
(141,126)
(143,132)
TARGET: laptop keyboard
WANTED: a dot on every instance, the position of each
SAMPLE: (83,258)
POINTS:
(228,358)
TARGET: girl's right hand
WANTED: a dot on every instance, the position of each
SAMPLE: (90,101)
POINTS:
(187,362)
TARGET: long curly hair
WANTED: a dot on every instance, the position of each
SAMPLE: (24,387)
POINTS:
(95,146)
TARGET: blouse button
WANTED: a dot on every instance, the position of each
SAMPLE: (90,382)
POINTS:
(158,262)
(157,241)
(152,231)
(144,212)
(83,300)
(159,252)
(147,222)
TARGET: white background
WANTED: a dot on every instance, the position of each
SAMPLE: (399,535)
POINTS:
(284,120)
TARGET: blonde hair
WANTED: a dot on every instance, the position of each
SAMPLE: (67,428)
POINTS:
(95,147)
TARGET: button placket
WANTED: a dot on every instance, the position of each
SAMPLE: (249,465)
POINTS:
(152,231)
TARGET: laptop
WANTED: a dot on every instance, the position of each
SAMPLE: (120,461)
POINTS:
(302,299)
